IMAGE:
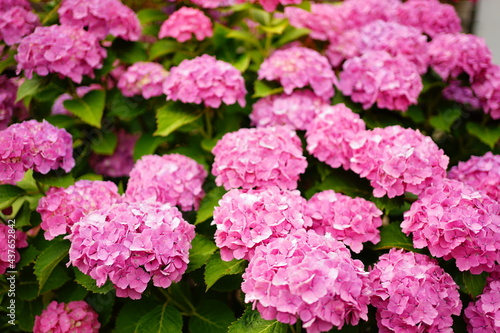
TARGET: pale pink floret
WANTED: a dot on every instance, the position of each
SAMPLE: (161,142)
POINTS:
(308,277)
(173,178)
(186,23)
(6,234)
(207,80)
(69,51)
(413,294)
(353,221)
(101,18)
(487,89)
(76,316)
(58,106)
(16,23)
(330,133)
(130,244)
(298,67)
(454,221)
(246,219)
(296,110)
(482,316)
(61,208)
(143,78)
(259,157)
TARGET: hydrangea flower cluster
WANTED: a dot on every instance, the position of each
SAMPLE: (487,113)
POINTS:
(61,208)
(69,51)
(101,18)
(330,133)
(307,276)
(397,160)
(456,222)
(297,67)
(487,89)
(143,78)
(130,244)
(17,22)
(482,315)
(205,79)
(186,23)
(246,219)
(5,259)
(174,178)
(76,316)
(8,105)
(296,110)
(121,162)
(33,145)
(481,173)
(393,82)
(413,294)
(350,220)
(259,157)
(58,106)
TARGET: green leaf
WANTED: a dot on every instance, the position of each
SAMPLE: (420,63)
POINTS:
(105,144)
(57,278)
(291,35)
(28,88)
(89,109)
(162,319)
(488,134)
(123,107)
(252,322)
(28,256)
(26,312)
(169,119)
(9,194)
(27,288)
(208,203)
(201,250)
(146,145)
(473,285)
(129,52)
(260,16)
(277,29)
(444,120)
(263,89)
(217,268)
(392,236)
(48,260)
(243,36)
(342,181)
(211,316)
(149,15)
(131,313)
(242,63)
(90,284)
(55,178)
(163,47)
(23,215)
(416,114)
(386,204)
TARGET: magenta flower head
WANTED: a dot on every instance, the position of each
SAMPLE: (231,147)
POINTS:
(353,221)
(246,219)
(298,67)
(76,316)
(330,133)
(8,105)
(101,18)
(69,51)
(487,88)
(174,178)
(456,222)
(16,23)
(413,294)
(185,23)
(143,78)
(259,157)
(6,234)
(63,207)
(482,315)
(393,83)
(130,244)
(205,79)
(307,276)
(296,110)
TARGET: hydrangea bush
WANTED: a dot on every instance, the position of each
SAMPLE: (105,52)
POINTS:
(247,166)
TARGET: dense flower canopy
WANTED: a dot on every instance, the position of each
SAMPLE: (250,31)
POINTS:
(187,23)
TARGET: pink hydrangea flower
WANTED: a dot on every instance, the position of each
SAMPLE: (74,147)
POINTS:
(76,316)
(101,18)
(130,244)
(8,105)
(186,23)
(121,162)
(454,221)
(307,276)
(143,78)
(459,93)
(58,106)
(397,160)
(345,46)
(271,5)
(33,145)
(205,79)
(453,54)
(429,16)
(69,51)
(330,133)
(6,263)
(487,89)
(259,157)
(482,315)
(246,219)
(413,294)
(298,67)
(61,208)
(16,23)
(392,82)
(481,173)
(357,13)
(353,221)
(174,178)
(296,110)
(5,5)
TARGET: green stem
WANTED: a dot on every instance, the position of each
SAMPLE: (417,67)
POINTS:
(39,187)
(208,121)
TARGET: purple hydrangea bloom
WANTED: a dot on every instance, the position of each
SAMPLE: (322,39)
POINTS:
(186,23)
(143,78)
(7,251)
(482,315)
(16,23)
(486,87)
(76,316)
(459,93)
